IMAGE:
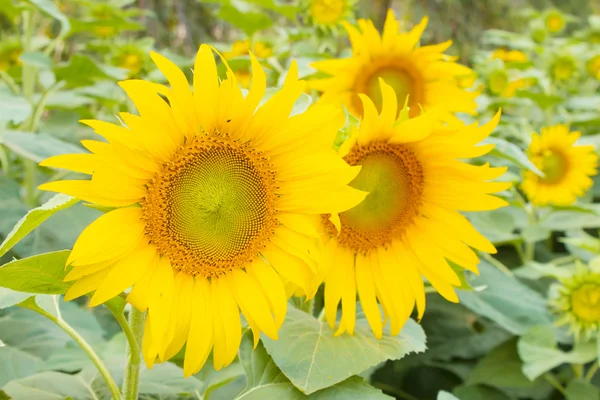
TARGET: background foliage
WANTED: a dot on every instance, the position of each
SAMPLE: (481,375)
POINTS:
(59,63)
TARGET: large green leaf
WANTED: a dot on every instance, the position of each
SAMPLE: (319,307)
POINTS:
(34,218)
(574,217)
(9,297)
(579,389)
(249,21)
(51,386)
(479,392)
(167,378)
(505,300)
(81,70)
(16,364)
(37,147)
(264,380)
(501,368)
(13,108)
(446,396)
(42,274)
(308,353)
(538,350)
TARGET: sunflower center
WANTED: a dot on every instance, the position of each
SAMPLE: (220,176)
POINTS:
(211,208)
(393,176)
(586,302)
(553,166)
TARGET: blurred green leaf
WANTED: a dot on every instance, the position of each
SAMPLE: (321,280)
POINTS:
(505,300)
(479,392)
(9,298)
(13,108)
(35,218)
(248,21)
(81,70)
(36,59)
(446,396)
(307,351)
(50,8)
(569,218)
(510,151)
(16,364)
(51,386)
(581,390)
(37,147)
(537,348)
(544,101)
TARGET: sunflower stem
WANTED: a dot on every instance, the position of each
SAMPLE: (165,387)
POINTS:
(591,372)
(530,246)
(85,346)
(134,340)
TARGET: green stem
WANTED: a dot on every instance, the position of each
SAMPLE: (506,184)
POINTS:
(132,371)
(28,88)
(578,370)
(591,372)
(85,346)
(503,268)
(530,246)
(555,383)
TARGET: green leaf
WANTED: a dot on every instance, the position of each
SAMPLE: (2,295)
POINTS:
(581,390)
(446,396)
(37,147)
(9,297)
(167,378)
(247,20)
(36,59)
(50,8)
(16,364)
(501,368)
(43,274)
(479,392)
(510,151)
(50,386)
(505,300)
(81,70)
(537,348)
(13,108)
(264,380)
(568,218)
(541,99)
(308,353)
(34,218)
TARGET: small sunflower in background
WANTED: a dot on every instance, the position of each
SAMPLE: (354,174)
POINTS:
(576,300)
(500,84)
(220,199)
(423,74)
(554,21)
(241,68)
(132,58)
(10,51)
(409,225)
(563,68)
(593,66)
(514,56)
(329,14)
(567,167)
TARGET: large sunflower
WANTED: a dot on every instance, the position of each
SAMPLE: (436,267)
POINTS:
(409,225)
(214,206)
(567,167)
(424,74)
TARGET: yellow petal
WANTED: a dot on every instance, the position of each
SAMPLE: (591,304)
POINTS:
(200,337)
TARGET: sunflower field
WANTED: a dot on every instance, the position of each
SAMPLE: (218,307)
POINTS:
(299,199)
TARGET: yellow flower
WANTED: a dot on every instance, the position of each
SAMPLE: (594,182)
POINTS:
(567,168)
(242,48)
(216,202)
(577,300)
(498,81)
(563,68)
(104,31)
(513,86)
(424,74)
(593,66)
(244,77)
(554,21)
(409,225)
(510,55)
(130,57)
(328,12)
(466,81)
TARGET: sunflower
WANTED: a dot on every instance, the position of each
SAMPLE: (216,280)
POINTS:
(554,21)
(563,67)
(424,74)
(567,167)
(216,205)
(409,225)
(131,58)
(329,13)
(241,48)
(593,66)
(576,299)
(514,56)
